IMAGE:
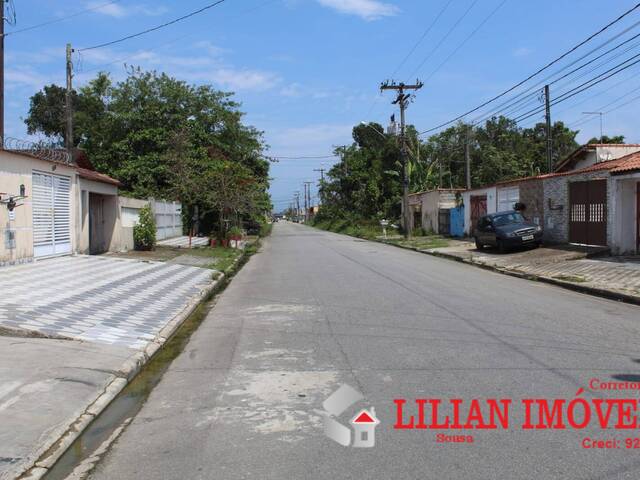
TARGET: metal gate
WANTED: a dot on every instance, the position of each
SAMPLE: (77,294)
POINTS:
(444,222)
(51,215)
(478,209)
(588,212)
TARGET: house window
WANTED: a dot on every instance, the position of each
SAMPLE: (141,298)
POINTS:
(364,436)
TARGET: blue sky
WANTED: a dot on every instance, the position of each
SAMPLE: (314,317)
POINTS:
(306,71)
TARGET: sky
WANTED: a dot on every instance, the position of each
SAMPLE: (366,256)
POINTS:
(307,71)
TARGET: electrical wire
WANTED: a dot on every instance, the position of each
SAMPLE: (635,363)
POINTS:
(581,88)
(463,43)
(547,66)
(422,37)
(153,29)
(513,101)
(444,38)
(62,19)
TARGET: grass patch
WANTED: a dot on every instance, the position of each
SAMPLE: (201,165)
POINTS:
(571,278)
(221,258)
(424,243)
(368,230)
(371,230)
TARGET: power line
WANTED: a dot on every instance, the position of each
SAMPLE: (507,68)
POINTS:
(153,29)
(463,43)
(584,86)
(422,37)
(62,19)
(548,65)
(507,106)
(444,38)
(170,42)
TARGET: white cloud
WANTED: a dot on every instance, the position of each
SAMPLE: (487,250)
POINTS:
(244,79)
(118,10)
(522,52)
(309,139)
(366,9)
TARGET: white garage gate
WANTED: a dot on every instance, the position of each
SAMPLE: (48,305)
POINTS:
(51,201)
(507,198)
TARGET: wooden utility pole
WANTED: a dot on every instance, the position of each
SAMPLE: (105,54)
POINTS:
(68,105)
(2,76)
(307,200)
(547,102)
(321,170)
(467,156)
(402,101)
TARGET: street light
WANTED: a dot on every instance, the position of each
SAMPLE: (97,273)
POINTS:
(601,114)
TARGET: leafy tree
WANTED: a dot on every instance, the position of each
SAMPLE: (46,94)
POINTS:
(154,132)
(607,140)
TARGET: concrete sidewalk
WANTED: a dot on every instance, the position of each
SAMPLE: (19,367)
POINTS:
(612,277)
(73,332)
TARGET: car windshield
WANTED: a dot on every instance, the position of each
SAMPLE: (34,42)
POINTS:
(508,219)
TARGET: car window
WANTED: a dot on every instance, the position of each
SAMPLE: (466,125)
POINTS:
(508,219)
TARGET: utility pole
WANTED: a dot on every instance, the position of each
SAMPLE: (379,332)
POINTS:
(402,100)
(547,101)
(2,75)
(297,206)
(321,170)
(467,157)
(69,106)
(307,191)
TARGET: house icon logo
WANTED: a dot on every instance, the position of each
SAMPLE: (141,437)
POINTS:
(364,426)
(364,422)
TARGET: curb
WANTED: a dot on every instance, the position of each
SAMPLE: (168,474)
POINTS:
(55,446)
(593,291)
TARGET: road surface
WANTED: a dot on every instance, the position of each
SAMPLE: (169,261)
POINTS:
(315,310)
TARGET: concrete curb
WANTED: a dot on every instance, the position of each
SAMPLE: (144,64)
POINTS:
(594,291)
(56,445)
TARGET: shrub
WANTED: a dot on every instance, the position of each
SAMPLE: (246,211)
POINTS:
(144,232)
(235,233)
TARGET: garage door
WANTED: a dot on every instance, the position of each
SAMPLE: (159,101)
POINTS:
(588,212)
(51,215)
(507,198)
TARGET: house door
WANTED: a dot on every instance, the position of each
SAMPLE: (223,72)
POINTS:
(588,212)
(96,224)
(478,209)
(51,215)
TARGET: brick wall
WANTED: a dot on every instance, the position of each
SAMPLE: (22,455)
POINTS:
(556,205)
(532,195)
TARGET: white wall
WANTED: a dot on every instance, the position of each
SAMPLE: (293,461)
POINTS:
(492,204)
(624,214)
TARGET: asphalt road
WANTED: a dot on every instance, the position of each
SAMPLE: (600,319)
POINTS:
(315,310)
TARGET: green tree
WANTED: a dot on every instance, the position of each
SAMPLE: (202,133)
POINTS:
(607,140)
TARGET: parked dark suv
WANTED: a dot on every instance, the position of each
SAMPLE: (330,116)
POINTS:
(507,230)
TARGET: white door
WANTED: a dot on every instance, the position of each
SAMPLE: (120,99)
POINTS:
(51,215)
(507,198)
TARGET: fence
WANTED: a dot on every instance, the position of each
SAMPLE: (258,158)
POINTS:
(168,217)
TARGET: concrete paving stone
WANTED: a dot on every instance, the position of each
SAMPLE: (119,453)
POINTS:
(84,297)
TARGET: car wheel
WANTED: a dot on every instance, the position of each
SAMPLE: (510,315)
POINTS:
(479,244)
(501,247)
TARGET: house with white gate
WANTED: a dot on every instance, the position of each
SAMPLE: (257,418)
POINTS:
(50,207)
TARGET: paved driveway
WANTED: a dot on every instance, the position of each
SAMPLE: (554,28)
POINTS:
(97,299)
